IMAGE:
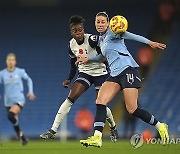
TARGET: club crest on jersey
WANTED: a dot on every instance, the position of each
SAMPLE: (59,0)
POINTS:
(81,51)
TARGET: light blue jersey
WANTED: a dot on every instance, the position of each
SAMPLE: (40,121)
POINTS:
(115,51)
(13,86)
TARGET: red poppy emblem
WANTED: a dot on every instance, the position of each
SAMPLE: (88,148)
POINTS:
(81,51)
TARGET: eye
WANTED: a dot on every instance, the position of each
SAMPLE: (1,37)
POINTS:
(80,30)
(74,30)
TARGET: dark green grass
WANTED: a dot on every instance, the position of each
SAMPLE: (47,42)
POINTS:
(74,147)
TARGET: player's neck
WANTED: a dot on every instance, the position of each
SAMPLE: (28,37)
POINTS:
(11,69)
(103,32)
(80,42)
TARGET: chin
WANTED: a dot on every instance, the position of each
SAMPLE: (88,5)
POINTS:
(101,32)
(80,40)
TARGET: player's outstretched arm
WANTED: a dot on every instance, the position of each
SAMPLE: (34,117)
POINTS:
(130,36)
(97,58)
(154,45)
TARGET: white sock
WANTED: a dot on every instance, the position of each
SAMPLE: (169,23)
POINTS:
(98,133)
(63,110)
(109,118)
(158,125)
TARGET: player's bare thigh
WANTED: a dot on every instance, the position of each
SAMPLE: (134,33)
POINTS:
(76,91)
(131,99)
(15,109)
(107,92)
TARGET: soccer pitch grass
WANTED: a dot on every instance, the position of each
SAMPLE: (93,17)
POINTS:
(74,147)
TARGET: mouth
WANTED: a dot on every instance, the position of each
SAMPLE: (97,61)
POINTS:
(100,29)
(79,37)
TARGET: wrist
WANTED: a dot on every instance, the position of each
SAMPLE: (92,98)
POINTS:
(149,42)
(88,58)
(69,80)
(95,58)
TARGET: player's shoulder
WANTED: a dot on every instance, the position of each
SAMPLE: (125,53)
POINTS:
(72,42)
(112,35)
(87,35)
(20,69)
(3,71)
(92,37)
(92,40)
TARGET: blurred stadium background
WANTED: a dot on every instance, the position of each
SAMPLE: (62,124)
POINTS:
(38,32)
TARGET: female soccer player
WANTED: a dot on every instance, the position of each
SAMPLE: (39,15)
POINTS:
(123,76)
(14,100)
(93,72)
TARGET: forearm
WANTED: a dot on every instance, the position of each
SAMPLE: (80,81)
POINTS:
(30,85)
(95,58)
(72,73)
(73,69)
(131,36)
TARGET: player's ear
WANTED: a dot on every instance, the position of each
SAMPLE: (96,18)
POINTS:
(71,32)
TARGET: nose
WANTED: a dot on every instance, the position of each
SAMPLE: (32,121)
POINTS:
(100,25)
(78,34)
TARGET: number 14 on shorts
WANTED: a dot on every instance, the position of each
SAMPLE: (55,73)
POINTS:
(130,78)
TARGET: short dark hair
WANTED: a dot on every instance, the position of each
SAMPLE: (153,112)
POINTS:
(76,19)
(104,14)
(11,55)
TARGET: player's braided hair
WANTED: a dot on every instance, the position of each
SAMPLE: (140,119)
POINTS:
(104,14)
(76,19)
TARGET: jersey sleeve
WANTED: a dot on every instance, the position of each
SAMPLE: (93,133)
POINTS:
(93,41)
(131,36)
(71,54)
(96,58)
(73,67)
(26,77)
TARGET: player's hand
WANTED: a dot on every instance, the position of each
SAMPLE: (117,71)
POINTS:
(103,58)
(82,60)
(31,96)
(156,45)
(66,83)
